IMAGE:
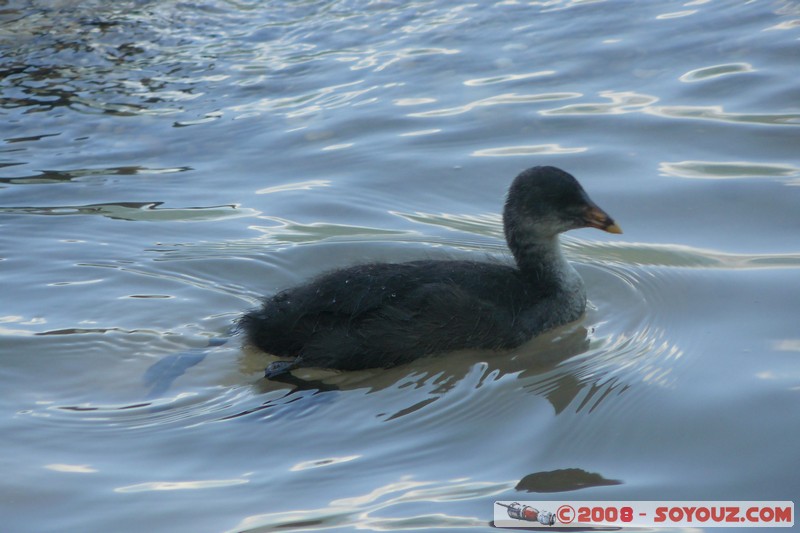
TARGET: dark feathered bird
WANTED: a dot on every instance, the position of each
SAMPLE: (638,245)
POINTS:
(386,314)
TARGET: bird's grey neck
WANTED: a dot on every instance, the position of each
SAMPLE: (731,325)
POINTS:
(541,259)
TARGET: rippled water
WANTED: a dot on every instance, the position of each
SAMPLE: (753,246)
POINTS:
(165,163)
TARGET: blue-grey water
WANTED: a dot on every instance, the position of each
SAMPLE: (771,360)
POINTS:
(165,163)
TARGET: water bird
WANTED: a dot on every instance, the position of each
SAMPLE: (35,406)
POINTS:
(380,315)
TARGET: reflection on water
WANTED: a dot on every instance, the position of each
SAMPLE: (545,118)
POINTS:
(563,480)
(93,57)
(578,366)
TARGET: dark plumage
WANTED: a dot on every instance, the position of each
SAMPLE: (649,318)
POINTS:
(386,314)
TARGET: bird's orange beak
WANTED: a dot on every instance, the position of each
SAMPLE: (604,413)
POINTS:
(594,217)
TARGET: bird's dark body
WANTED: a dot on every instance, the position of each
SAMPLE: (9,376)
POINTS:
(386,314)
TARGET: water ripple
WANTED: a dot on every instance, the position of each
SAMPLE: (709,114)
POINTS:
(138,211)
(361,511)
(717,113)
(295,186)
(298,105)
(716,71)
(290,232)
(500,99)
(727,169)
(185,409)
(628,342)
(83,174)
(489,227)
(533,149)
(506,78)
(622,102)
(382,60)
(675,255)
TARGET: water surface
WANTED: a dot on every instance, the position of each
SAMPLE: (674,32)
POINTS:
(166,163)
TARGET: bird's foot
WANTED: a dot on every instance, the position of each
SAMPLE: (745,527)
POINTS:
(279,368)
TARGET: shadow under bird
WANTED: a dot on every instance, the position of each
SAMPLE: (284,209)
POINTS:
(380,315)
